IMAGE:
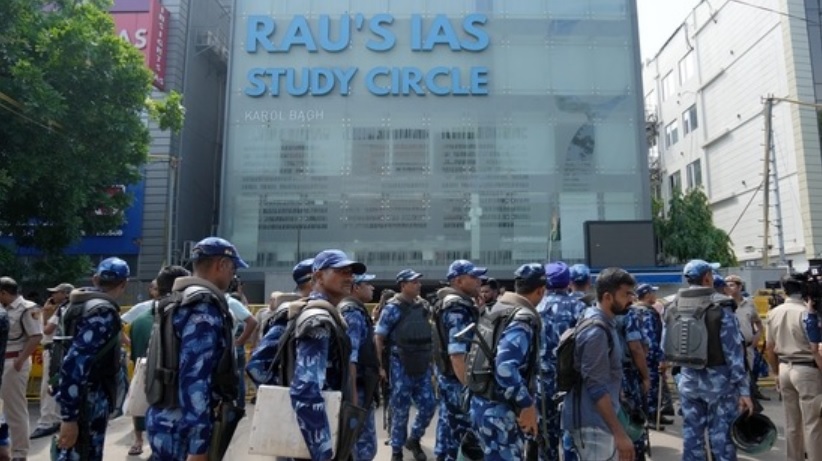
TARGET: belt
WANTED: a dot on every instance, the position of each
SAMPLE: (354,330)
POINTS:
(12,355)
(801,363)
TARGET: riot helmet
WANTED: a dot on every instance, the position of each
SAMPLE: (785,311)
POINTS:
(753,434)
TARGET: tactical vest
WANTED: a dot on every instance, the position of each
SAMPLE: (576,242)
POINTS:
(303,316)
(449,298)
(693,323)
(412,336)
(106,362)
(163,358)
(490,327)
(367,358)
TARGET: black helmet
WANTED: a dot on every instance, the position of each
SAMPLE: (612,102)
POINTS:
(753,434)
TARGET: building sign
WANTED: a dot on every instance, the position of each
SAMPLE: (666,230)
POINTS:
(265,35)
(144,24)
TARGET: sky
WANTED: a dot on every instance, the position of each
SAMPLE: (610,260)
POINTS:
(657,21)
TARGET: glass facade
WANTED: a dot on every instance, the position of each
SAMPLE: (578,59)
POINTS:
(548,136)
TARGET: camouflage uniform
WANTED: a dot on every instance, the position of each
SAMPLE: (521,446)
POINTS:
(405,388)
(558,311)
(260,365)
(358,326)
(710,395)
(81,399)
(630,330)
(651,325)
(495,421)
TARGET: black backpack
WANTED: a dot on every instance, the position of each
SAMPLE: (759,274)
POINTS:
(484,348)
(441,357)
(568,376)
(413,336)
(163,358)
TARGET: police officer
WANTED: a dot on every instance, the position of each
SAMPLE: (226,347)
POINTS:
(364,362)
(508,412)
(635,379)
(25,333)
(406,383)
(581,284)
(316,368)
(49,421)
(797,363)
(274,324)
(750,325)
(559,311)
(184,432)
(651,325)
(87,388)
(712,397)
(455,311)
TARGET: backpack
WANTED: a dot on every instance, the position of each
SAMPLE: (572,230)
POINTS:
(280,315)
(448,299)
(568,375)
(412,336)
(621,321)
(692,325)
(106,364)
(483,353)
(163,357)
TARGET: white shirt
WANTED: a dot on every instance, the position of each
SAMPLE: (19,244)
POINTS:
(136,310)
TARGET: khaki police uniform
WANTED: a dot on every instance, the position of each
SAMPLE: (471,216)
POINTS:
(24,322)
(799,379)
(49,409)
(746,314)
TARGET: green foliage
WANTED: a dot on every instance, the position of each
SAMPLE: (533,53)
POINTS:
(688,232)
(72,97)
(169,113)
(41,272)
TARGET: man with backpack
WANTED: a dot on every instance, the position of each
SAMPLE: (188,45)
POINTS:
(593,377)
(651,324)
(559,311)
(88,344)
(455,310)
(403,335)
(191,372)
(503,406)
(364,362)
(635,377)
(713,382)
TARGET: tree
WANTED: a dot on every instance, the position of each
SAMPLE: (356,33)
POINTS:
(688,232)
(73,98)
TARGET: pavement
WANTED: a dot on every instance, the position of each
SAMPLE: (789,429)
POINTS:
(666,446)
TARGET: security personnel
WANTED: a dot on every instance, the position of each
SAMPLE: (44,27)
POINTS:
(489,292)
(797,363)
(25,333)
(749,324)
(635,380)
(406,385)
(316,367)
(184,432)
(364,362)
(87,388)
(272,327)
(651,324)
(503,418)
(49,421)
(558,311)
(581,284)
(454,312)
(712,397)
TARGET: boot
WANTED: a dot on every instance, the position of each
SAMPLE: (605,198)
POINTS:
(413,445)
(396,457)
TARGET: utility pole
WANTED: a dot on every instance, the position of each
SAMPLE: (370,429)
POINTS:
(767,179)
(777,206)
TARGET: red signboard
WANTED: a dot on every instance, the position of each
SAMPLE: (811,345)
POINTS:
(144,24)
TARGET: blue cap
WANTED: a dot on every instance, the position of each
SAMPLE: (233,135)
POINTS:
(697,268)
(362,278)
(532,273)
(557,274)
(464,267)
(336,259)
(408,275)
(580,273)
(644,289)
(112,270)
(216,246)
(302,271)
(719,282)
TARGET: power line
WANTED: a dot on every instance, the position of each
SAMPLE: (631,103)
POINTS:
(27,118)
(771,10)
(753,196)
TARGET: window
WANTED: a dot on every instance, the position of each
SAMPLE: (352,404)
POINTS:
(686,67)
(694,174)
(668,86)
(675,181)
(689,122)
(671,133)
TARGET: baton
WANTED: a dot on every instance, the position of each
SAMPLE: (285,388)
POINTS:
(659,400)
